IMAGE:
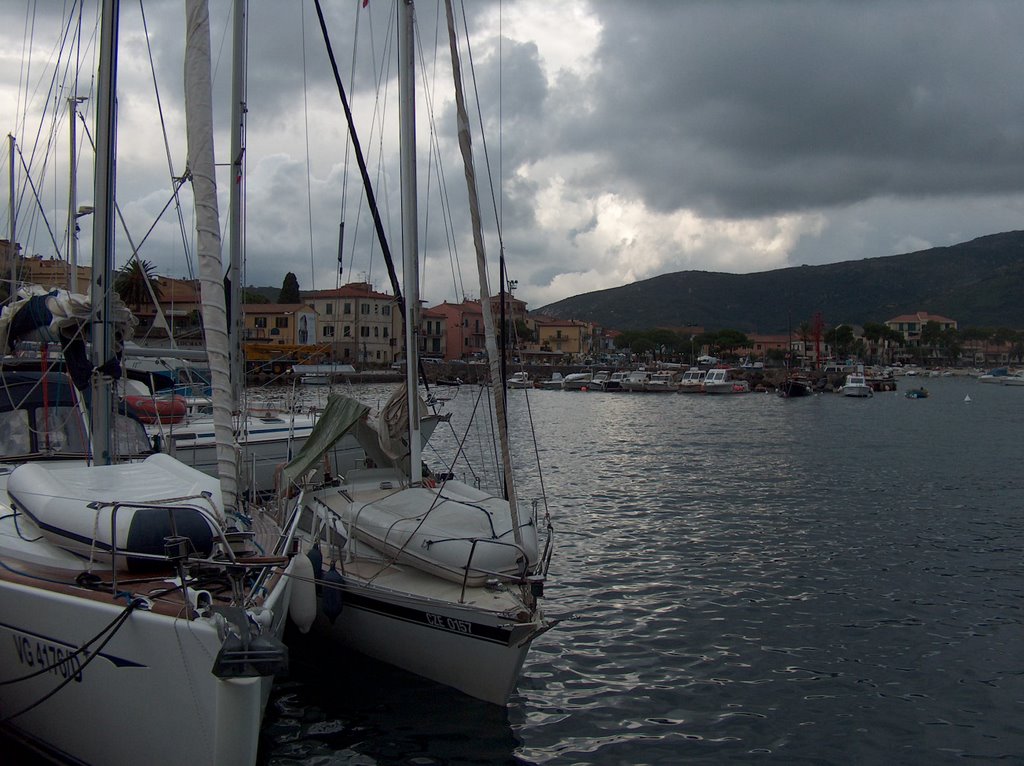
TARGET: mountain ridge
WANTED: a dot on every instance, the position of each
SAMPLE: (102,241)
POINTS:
(978,283)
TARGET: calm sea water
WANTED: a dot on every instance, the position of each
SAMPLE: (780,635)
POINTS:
(748,579)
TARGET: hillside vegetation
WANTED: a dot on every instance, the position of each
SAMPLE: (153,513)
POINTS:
(978,283)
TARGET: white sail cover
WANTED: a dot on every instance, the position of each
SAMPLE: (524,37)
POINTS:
(199,118)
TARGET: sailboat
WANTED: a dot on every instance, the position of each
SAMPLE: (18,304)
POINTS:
(141,607)
(414,568)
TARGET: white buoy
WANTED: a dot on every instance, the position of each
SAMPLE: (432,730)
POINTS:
(302,607)
(967,398)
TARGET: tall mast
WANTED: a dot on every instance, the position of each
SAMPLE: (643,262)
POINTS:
(486,304)
(235,200)
(73,214)
(410,242)
(103,231)
(14,225)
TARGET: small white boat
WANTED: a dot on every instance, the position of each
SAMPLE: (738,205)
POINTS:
(661,383)
(719,381)
(576,381)
(554,383)
(857,386)
(691,381)
(636,381)
(519,380)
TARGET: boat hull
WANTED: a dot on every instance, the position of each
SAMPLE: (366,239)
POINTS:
(480,654)
(148,697)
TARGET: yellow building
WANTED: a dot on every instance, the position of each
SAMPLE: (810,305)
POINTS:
(362,325)
(567,336)
(290,324)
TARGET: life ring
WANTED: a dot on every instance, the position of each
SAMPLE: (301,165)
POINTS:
(151,410)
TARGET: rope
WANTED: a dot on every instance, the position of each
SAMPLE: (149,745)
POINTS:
(111,630)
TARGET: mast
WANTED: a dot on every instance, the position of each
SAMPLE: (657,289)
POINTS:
(486,304)
(199,121)
(234,276)
(103,232)
(14,225)
(410,243)
(73,213)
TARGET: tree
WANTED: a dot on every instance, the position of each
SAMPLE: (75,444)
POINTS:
(730,340)
(130,283)
(289,290)
(248,296)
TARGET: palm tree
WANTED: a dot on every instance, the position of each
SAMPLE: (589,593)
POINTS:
(131,281)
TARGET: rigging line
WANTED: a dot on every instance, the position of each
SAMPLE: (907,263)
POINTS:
(175,181)
(483,133)
(305,123)
(67,658)
(378,224)
(57,55)
(122,619)
(344,172)
(39,202)
(436,159)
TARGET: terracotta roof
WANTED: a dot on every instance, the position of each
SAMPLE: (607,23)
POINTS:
(351,290)
(276,308)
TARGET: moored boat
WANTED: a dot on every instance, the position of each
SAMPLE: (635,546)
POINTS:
(720,381)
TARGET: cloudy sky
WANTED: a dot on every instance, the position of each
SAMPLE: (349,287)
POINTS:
(624,139)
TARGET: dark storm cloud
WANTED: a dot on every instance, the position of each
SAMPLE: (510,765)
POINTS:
(754,108)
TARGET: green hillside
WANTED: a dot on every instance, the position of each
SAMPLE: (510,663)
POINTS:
(977,283)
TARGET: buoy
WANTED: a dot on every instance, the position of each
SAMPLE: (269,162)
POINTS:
(967,398)
(302,607)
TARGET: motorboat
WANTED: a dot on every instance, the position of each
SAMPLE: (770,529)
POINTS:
(720,381)
(636,381)
(661,383)
(856,385)
(691,381)
(519,379)
(554,383)
(576,381)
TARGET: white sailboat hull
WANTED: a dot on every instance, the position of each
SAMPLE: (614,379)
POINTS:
(478,652)
(148,697)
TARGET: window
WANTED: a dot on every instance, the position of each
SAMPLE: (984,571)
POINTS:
(378,354)
(376,308)
(329,308)
(385,332)
(347,309)
(364,332)
(364,308)
(376,332)
(386,311)
(281,323)
(346,331)
(260,322)
(329,331)
(346,354)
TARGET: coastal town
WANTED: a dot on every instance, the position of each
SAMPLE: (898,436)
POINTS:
(358,325)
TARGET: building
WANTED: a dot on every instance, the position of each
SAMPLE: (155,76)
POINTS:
(362,325)
(565,336)
(289,324)
(50,272)
(911,325)
(180,302)
(433,334)
(464,324)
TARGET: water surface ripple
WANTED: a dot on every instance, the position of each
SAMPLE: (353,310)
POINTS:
(745,578)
